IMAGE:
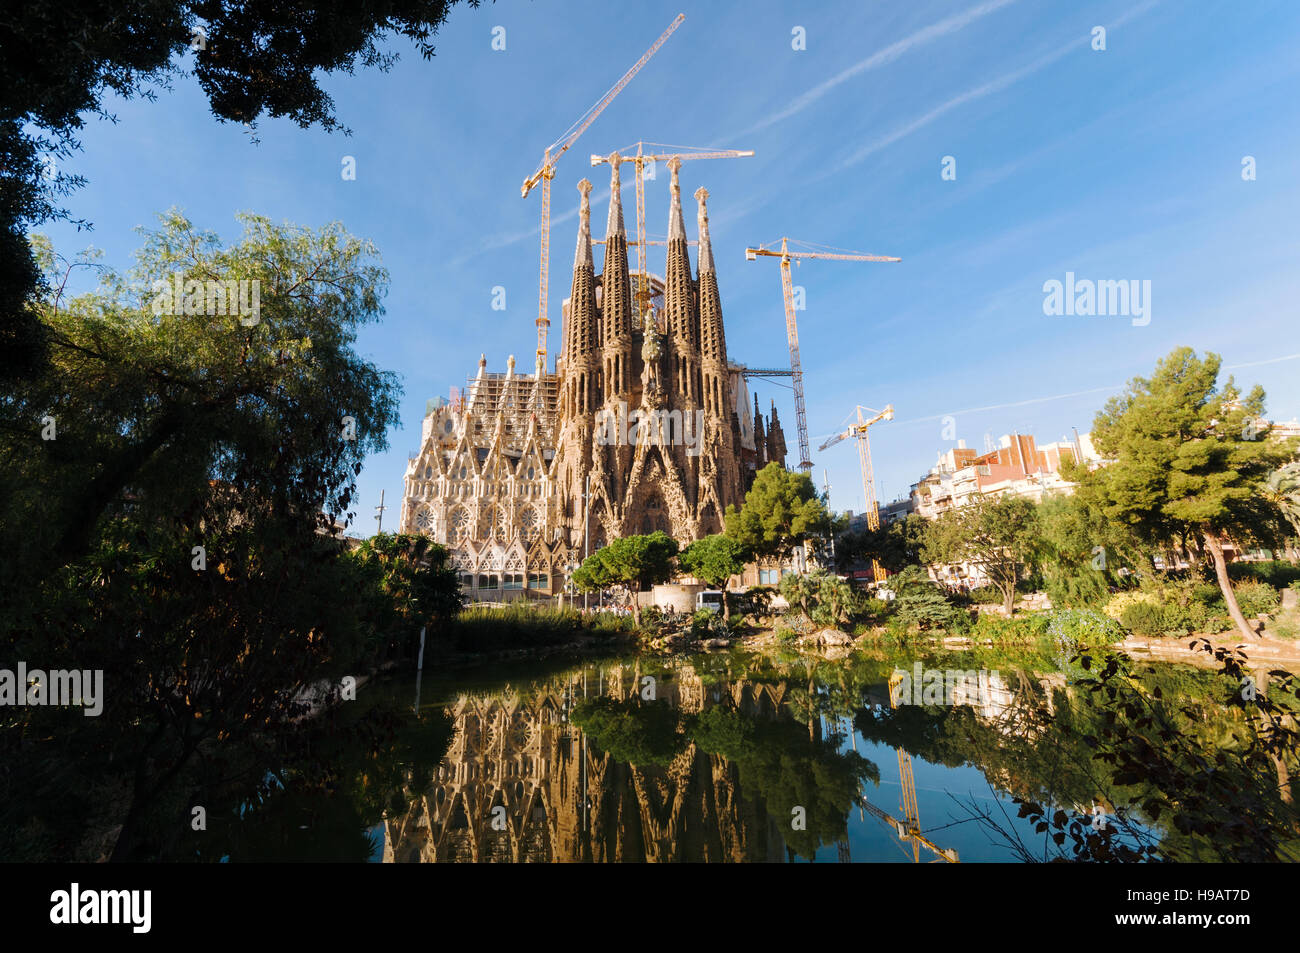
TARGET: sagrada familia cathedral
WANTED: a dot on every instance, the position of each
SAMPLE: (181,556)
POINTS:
(644,425)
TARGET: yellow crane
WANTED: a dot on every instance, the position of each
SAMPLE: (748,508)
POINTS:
(860,430)
(910,830)
(640,158)
(546,171)
(791,328)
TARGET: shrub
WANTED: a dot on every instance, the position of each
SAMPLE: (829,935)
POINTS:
(986,596)
(481,628)
(1117,603)
(1288,629)
(836,602)
(897,630)
(1075,627)
(755,602)
(708,625)
(794,621)
(1256,598)
(1144,618)
(1021,628)
(1209,595)
(920,602)
(1275,572)
(800,592)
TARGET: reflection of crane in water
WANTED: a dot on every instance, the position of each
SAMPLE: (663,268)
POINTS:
(909,831)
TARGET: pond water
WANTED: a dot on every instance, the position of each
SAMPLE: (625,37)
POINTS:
(733,757)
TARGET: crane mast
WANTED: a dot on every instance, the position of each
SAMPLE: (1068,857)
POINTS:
(861,430)
(908,830)
(545,172)
(792,327)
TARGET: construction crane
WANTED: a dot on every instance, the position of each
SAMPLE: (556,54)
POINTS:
(860,430)
(792,329)
(640,157)
(546,171)
(909,831)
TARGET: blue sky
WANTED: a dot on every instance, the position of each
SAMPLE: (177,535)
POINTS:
(1117,164)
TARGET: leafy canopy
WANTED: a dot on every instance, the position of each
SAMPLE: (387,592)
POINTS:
(714,559)
(780,511)
(60,62)
(1186,455)
(997,535)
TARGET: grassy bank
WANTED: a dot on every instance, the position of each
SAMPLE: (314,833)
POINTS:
(484,629)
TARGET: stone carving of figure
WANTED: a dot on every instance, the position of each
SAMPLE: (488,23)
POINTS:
(651,350)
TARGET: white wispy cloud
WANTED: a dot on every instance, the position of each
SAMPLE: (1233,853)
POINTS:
(880,58)
(986,89)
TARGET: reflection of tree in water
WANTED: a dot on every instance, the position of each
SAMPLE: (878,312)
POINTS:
(343,771)
(1180,765)
(588,765)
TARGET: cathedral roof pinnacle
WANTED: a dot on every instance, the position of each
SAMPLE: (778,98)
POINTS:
(582,256)
(614,225)
(702,220)
(676,224)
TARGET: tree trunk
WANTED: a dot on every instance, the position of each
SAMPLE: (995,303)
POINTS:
(1215,547)
(636,607)
(1009,593)
(726,606)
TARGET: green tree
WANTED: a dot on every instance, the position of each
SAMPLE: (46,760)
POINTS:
(177,530)
(637,562)
(919,601)
(895,545)
(415,584)
(1079,552)
(1283,490)
(153,405)
(800,592)
(59,63)
(1188,463)
(996,535)
(715,559)
(781,510)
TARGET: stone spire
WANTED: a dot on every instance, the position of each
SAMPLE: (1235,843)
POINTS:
(712,338)
(616,293)
(776,447)
(702,221)
(582,336)
(679,303)
(676,224)
(582,255)
(614,224)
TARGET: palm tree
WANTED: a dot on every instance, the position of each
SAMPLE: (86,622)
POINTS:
(1283,490)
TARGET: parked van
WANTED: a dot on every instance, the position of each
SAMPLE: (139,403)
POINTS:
(710,599)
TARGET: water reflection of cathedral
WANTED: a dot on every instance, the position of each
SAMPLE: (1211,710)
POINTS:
(521,784)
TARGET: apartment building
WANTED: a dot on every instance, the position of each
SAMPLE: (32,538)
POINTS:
(1018,465)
